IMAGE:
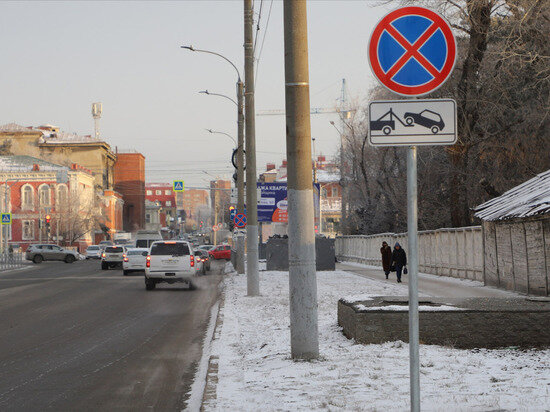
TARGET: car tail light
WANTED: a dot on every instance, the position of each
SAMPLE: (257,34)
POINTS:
(103,255)
(125,259)
(192,260)
(148,261)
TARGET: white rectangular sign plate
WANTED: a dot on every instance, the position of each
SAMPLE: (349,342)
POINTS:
(412,122)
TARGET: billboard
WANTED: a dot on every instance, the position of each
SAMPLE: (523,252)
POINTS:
(273,202)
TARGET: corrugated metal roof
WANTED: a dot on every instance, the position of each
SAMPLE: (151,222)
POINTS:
(528,199)
(25,163)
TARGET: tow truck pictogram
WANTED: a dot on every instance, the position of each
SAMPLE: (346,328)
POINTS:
(426,118)
(387,125)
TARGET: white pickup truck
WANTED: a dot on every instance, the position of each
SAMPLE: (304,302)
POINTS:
(170,261)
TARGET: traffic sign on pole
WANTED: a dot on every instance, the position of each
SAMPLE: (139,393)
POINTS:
(215,228)
(6,218)
(178,186)
(240,220)
(412,51)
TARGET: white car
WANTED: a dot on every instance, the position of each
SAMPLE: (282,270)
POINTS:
(93,252)
(112,257)
(134,260)
(170,261)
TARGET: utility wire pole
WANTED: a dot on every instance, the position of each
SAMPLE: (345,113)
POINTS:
(240,173)
(252,270)
(304,337)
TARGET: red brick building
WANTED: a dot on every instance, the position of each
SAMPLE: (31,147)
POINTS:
(163,195)
(129,181)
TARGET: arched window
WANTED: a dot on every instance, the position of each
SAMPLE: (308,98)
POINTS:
(62,196)
(44,195)
(27,197)
(324,192)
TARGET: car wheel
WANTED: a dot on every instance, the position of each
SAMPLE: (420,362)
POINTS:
(435,129)
(386,129)
(69,259)
(149,284)
(409,120)
(104,266)
(125,272)
(38,259)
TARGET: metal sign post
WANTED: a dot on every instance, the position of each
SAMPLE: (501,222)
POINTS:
(412,52)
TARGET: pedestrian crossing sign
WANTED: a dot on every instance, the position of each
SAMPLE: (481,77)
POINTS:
(179,186)
(6,218)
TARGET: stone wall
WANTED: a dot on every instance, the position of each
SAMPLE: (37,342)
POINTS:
(448,252)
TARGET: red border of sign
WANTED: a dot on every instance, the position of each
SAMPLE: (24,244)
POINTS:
(238,215)
(447,67)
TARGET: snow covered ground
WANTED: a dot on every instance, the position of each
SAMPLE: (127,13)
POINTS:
(256,373)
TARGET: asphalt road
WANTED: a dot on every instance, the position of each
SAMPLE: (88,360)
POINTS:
(74,337)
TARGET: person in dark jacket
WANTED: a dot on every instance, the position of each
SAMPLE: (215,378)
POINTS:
(399,260)
(385,250)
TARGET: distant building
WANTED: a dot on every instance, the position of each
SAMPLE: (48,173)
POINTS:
(163,195)
(220,198)
(152,215)
(129,181)
(49,143)
(37,188)
(192,201)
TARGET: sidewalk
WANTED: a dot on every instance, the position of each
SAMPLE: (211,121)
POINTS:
(432,285)
(254,370)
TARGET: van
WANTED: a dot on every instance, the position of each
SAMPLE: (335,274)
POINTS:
(145,238)
(170,261)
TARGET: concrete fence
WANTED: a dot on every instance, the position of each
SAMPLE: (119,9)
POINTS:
(454,252)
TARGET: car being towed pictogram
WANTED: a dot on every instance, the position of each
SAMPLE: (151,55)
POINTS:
(426,118)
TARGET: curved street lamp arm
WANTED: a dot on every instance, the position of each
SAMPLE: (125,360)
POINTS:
(215,54)
(225,134)
(218,94)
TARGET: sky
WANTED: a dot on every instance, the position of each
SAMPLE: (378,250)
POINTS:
(60,57)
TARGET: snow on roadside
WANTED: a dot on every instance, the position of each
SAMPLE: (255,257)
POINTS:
(256,372)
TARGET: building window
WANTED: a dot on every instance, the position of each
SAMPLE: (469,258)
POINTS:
(334,191)
(169,203)
(27,197)
(158,192)
(147,218)
(149,192)
(168,192)
(28,229)
(323,192)
(44,195)
(62,196)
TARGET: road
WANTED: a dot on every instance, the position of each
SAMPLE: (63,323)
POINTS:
(74,337)
(440,286)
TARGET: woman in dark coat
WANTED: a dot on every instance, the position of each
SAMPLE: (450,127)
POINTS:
(385,250)
(399,260)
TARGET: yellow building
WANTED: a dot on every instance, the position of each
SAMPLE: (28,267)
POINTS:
(47,142)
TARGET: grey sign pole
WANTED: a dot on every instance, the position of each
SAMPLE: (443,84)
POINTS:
(412,229)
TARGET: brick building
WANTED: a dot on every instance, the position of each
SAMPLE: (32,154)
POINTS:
(129,178)
(37,188)
(163,195)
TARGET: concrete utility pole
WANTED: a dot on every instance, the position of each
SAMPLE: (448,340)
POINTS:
(304,337)
(240,173)
(252,270)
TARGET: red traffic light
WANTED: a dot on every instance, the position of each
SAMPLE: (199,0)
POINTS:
(48,218)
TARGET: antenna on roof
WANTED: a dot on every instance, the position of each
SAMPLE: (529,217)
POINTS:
(96,113)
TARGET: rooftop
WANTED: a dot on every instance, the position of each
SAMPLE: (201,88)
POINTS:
(50,136)
(528,199)
(26,163)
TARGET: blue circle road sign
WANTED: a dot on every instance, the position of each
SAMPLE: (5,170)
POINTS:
(240,220)
(412,51)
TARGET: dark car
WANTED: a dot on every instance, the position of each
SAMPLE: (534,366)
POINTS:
(205,257)
(426,118)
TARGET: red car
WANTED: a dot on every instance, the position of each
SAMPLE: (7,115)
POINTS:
(221,252)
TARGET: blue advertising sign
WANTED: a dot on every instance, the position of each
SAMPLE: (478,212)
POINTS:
(273,202)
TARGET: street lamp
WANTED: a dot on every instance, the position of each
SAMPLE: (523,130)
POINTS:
(218,94)
(240,146)
(225,134)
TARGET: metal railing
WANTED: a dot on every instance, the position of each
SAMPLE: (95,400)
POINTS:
(11,260)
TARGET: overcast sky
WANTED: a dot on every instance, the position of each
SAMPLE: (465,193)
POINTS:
(59,57)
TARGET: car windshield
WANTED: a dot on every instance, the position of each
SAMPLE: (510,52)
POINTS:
(135,252)
(93,248)
(177,249)
(114,249)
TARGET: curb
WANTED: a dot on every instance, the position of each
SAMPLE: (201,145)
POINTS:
(210,389)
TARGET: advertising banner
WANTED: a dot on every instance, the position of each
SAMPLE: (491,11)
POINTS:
(273,202)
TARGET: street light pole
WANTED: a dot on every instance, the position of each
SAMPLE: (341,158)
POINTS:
(304,337)
(240,151)
(253,276)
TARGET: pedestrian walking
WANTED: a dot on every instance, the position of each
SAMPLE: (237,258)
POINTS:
(398,260)
(385,250)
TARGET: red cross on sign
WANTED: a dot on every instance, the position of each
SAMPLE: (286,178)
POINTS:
(412,51)
(240,220)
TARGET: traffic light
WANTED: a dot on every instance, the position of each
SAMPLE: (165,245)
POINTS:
(202,222)
(48,220)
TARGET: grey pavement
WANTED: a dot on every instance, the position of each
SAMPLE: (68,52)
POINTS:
(74,337)
(432,285)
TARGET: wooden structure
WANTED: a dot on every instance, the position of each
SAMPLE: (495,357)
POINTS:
(516,237)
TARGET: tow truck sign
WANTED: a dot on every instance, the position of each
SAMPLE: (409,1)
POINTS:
(412,122)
